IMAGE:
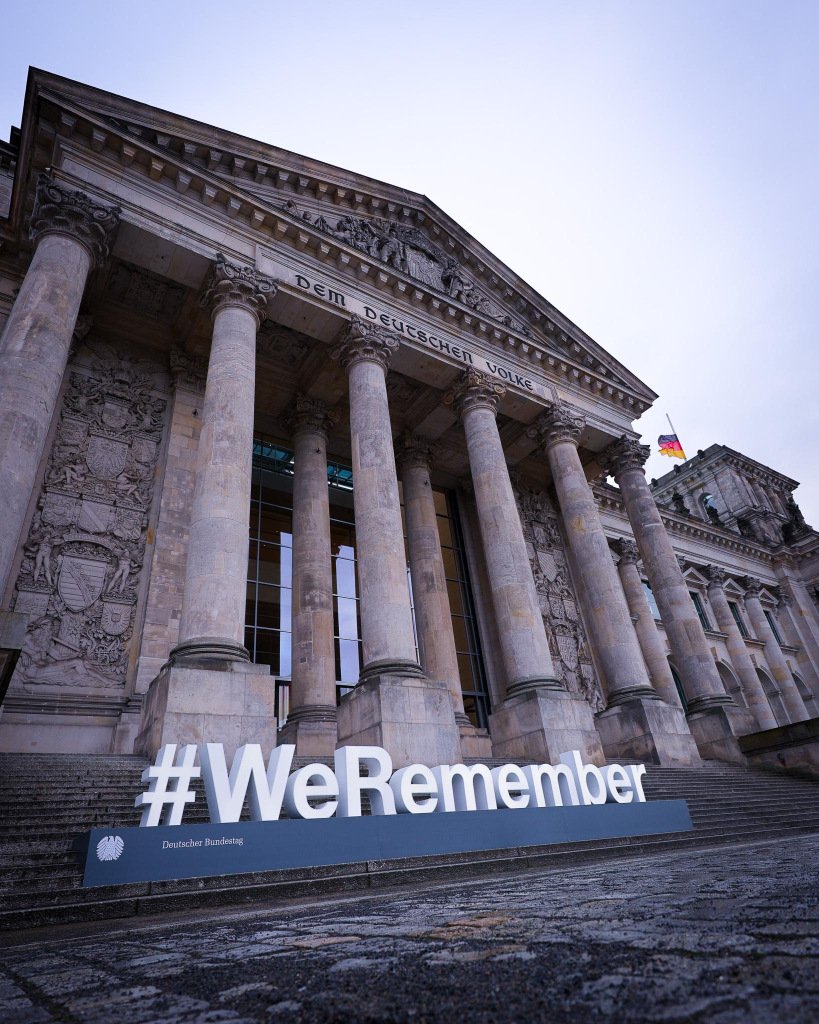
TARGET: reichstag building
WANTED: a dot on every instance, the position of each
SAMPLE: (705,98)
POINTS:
(286,455)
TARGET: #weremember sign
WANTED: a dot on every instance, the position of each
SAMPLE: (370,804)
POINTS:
(415,811)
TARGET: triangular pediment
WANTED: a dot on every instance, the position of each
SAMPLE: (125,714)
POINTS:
(400,231)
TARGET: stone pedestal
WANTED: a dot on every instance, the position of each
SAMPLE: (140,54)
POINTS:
(410,716)
(475,742)
(233,705)
(312,737)
(647,730)
(715,731)
(540,725)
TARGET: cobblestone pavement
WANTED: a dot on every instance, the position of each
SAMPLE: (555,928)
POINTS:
(725,936)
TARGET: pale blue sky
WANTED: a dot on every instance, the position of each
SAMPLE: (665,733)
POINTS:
(650,166)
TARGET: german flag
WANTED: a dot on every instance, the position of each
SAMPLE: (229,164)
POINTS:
(670,445)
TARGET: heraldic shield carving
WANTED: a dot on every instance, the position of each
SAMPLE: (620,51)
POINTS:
(81,581)
(83,561)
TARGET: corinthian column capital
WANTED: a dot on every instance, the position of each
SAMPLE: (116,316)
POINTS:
(626,550)
(558,424)
(237,286)
(624,453)
(309,416)
(414,452)
(715,575)
(474,390)
(58,210)
(361,340)
(753,586)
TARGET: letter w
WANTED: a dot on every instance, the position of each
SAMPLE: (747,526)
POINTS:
(227,794)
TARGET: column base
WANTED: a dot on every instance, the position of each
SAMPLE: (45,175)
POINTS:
(409,715)
(649,730)
(313,729)
(233,705)
(204,651)
(540,724)
(715,730)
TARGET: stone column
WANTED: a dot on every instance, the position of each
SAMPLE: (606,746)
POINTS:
(791,697)
(72,233)
(433,616)
(213,606)
(712,714)
(394,704)
(636,722)
(797,614)
(737,651)
(209,692)
(539,718)
(651,642)
(311,721)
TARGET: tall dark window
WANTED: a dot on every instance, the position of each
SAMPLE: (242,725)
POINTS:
(695,597)
(268,615)
(772,624)
(652,602)
(679,686)
(737,618)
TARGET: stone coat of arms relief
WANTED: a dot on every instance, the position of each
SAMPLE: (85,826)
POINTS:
(84,555)
(558,603)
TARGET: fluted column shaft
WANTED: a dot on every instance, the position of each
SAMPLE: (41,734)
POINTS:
(521,633)
(651,643)
(313,680)
(386,616)
(738,652)
(213,602)
(433,617)
(699,676)
(791,698)
(72,234)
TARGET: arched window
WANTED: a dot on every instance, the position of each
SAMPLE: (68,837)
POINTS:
(732,685)
(808,699)
(707,501)
(774,697)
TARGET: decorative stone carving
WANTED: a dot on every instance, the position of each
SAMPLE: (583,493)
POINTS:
(474,390)
(557,424)
(309,415)
(145,292)
(188,372)
(232,285)
(558,603)
(64,211)
(714,574)
(281,344)
(679,505)
(752,586)
(682,562)
(412,450)
(624,453)
(626,550)
(783,598)
(401,391)
(85,551)
(363,340)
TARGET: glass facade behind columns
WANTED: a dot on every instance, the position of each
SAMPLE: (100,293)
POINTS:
(268,614)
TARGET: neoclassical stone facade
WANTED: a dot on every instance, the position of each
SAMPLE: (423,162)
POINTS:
(288,456)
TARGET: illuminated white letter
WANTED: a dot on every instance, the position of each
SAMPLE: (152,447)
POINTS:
(560,791)
(351,784)
(266,789)
(511,786)
(456,788)
(301,789)
(408,784)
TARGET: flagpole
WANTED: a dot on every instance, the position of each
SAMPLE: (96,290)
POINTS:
(674,432)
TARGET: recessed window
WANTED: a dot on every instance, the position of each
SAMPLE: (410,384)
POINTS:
(737,618)
(774,630)
(695,597)
(652,603)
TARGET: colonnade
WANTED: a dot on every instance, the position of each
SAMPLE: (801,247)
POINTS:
(538,716)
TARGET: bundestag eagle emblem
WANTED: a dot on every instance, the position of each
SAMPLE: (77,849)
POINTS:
(110,848)
(81,581)
(106,458)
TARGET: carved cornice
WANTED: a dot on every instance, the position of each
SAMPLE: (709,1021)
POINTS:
(559,424)
(230,285)
(309,416)
(474,390)
(714,574)
(626,550)
(752,586)
(414,452)
(59,210)
(623,454)
(362,340)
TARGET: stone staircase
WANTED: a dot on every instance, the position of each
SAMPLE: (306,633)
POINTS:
(48,801)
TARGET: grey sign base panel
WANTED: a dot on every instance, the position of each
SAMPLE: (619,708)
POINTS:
(165,853)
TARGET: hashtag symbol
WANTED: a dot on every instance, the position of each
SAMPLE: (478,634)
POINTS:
(168,786)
